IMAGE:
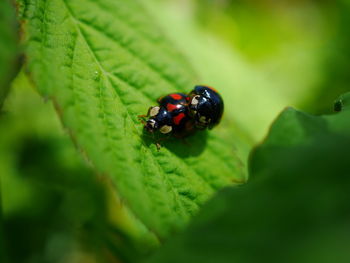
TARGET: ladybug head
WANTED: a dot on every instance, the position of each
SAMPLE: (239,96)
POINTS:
(206,106)
(160,119)
(151,125)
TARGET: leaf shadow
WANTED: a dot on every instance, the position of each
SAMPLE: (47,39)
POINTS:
(190,146)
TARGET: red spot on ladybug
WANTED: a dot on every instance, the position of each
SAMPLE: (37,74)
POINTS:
(176,96)
(177,119)
(171,107)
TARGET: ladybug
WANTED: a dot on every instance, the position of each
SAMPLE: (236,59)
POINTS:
(171,116)
(181,115)
(206,107)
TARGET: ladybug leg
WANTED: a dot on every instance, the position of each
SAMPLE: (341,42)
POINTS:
(145,115)
(142,120)
(157,142)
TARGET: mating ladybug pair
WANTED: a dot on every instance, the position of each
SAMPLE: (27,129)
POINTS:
(181,115)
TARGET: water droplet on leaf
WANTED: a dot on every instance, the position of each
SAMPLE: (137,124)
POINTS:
(97,75)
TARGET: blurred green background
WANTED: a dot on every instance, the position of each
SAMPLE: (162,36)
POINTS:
(271,53)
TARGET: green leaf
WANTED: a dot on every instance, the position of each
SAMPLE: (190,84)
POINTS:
(8,47)
(105,62)
(295,207)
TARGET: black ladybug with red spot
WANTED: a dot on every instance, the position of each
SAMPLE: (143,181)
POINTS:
(181,115)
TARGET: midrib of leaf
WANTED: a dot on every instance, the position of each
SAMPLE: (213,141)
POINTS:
(186,200)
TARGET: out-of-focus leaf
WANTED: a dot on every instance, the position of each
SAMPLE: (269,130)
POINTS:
(55,208)
(295,207)
(342,103)
(336,74)
(2,248)
(8,47)
(105,62)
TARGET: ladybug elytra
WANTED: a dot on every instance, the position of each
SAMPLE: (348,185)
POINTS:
(171,116)
(206,107)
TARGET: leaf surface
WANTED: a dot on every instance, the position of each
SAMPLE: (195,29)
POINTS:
(295,207)
(8,47)
(103,63)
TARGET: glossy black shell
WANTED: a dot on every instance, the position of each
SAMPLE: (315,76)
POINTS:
(173,106)
(162,118)
(210,106)
(180,100)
